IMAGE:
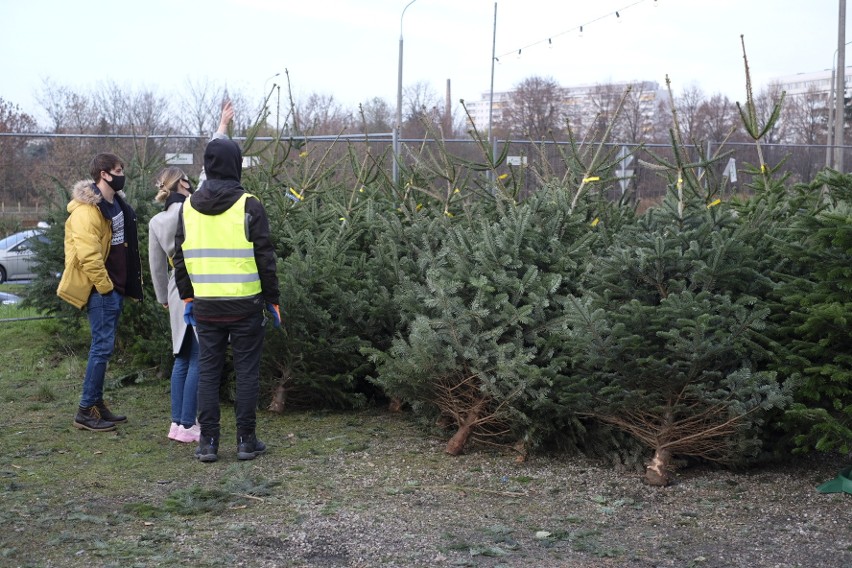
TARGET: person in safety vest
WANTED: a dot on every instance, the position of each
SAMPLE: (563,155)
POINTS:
(173,188)
(224,265)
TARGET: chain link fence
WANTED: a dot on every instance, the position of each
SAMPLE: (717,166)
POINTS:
(34,166)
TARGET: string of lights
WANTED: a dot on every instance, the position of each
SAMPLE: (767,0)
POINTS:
(549,40)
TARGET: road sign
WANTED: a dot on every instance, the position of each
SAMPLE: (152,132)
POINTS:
(178,159)
(623,172)
(731,170)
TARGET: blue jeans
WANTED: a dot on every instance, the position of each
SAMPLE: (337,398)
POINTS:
(246,339)
(103,311)
(185,381)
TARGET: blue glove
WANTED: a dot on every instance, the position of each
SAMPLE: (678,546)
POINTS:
(276,314)
(188,316)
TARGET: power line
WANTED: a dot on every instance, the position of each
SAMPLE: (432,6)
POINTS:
(549,39)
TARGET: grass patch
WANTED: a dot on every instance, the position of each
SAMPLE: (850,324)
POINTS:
(134,498)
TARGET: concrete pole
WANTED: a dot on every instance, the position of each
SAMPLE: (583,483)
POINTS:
(398,125)
(448,113)
(491,95)
(839,114)
(829,126)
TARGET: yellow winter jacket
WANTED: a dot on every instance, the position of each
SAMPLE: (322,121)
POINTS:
(87,242)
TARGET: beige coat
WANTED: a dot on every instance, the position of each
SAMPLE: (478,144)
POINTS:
(161,248)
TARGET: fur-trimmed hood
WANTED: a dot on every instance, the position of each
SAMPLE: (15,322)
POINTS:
(85,192)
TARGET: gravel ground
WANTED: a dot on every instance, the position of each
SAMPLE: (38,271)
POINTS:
(399,501)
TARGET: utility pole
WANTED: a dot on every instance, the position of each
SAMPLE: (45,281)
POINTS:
(840,94)
(398,123)
(491,139)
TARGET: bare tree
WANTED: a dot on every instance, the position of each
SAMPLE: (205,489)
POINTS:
(377,116)
(806,117)
(534,109)
(688,105)
(68,111)
(321,114)
(200,107)
(635,122)
(16,155)
(422,111)
(764,103)
(603,105)
(717,118)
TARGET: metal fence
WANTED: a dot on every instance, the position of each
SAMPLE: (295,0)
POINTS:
(63,158)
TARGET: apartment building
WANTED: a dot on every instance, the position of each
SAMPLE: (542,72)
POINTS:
(577,100)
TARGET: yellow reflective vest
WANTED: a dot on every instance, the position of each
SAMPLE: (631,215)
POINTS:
(218,256)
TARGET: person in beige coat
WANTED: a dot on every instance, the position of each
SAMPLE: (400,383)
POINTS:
(173,188)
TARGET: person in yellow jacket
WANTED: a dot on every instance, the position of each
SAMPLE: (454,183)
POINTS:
(102,266)
(225,272)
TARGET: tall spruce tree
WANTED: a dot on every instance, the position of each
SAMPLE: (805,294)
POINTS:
(487,330)
(668,336)
(815,322)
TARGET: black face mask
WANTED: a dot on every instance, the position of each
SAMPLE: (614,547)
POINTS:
(117,183)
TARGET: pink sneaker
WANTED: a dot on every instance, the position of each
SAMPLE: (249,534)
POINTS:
(173,431)
(188,435)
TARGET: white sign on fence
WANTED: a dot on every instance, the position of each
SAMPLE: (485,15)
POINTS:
(731,170)
(516,160)
(178,159)
(624,173)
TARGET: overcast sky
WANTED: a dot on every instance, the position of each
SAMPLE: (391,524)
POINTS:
(349,48)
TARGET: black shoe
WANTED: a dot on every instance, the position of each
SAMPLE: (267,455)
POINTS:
(249,447)
(107,414)
(90,419)
(208,449)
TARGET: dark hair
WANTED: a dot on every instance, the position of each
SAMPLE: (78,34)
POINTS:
(103,163)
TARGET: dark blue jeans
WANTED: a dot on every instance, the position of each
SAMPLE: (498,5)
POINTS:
(246,338)
(103,311)
(184,381)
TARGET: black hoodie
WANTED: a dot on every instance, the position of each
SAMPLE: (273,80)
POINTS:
(221,189)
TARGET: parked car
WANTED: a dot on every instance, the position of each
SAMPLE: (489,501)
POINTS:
(17,257)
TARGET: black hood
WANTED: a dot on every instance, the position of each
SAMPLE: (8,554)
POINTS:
(216,196)
(223,160)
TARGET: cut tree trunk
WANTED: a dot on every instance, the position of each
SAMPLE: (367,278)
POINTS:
(657,472)
(456,444)
(279,397)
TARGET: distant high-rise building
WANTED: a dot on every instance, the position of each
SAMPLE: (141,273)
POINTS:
(575,101)
(817,83)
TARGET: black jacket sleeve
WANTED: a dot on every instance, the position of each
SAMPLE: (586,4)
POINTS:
(182,281)
(257,224)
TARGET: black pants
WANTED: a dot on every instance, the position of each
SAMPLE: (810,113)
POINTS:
(246,337)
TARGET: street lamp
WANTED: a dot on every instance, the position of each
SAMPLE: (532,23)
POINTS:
(398,124)
(840,95)
(832,93)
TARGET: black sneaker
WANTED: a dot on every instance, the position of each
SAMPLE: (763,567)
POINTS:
(90,419)
(249,447)
(208,449)
(107,414)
